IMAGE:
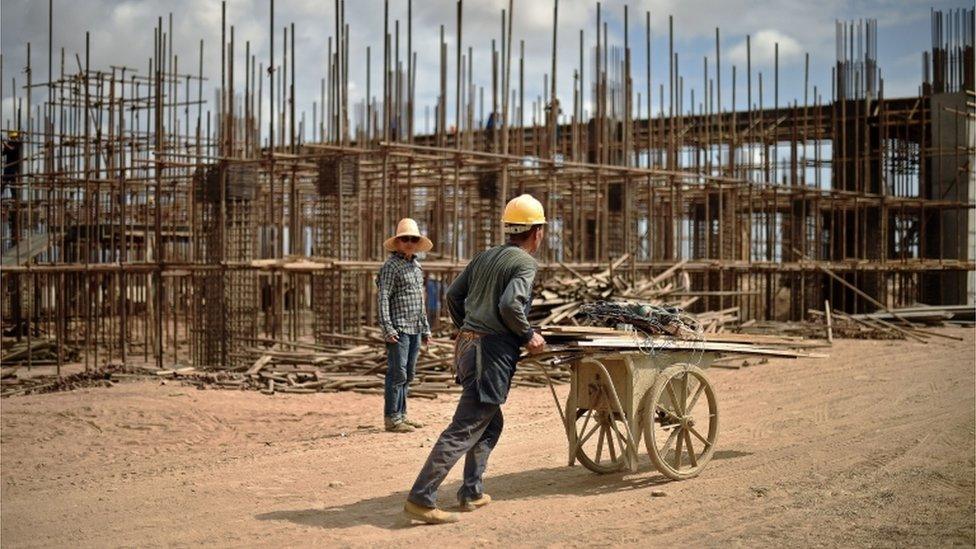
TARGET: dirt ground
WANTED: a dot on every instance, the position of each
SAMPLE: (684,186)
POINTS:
(873,446)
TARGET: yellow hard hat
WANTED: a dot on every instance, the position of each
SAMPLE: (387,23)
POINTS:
(522,212)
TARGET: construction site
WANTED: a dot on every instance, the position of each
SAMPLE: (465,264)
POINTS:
(189,265)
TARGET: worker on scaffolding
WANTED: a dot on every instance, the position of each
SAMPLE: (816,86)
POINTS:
(403,319)
(489,304)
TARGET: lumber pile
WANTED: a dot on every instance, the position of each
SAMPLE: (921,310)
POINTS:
(845,327)
(569,299)
(560,298)
(11,384)
(931,315)
(716,322)
(359,365)
(905,323)
(41,352)
(575,310)
(907,329)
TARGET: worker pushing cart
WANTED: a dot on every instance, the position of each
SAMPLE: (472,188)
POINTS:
(489,304)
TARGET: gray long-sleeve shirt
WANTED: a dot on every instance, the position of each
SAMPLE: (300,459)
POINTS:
(493,293)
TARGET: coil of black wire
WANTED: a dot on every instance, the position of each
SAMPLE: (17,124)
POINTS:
(651,319)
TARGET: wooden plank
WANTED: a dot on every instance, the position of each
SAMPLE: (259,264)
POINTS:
(830,327)
(258,364)
(663,345)
(581,329)
(668,272)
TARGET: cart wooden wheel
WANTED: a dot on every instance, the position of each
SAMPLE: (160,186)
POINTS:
(598,435)
(680,421)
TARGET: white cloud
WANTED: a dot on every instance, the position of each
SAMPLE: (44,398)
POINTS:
(763,46)
(122,34)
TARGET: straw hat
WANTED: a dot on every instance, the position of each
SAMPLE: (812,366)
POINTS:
(408,227)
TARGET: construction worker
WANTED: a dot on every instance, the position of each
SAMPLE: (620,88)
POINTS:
(489,303)
(403,319)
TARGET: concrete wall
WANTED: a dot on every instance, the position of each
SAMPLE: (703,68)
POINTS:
(951,176)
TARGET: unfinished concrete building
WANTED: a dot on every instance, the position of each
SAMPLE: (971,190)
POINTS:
(138,225)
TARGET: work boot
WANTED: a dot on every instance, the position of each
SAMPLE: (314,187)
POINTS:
(468,505)
(397,426)
(413,423)
(428,515)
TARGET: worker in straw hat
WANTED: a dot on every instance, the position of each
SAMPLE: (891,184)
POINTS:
(403,319)
(489,303)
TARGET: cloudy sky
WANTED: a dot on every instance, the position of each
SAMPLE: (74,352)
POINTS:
(122,34)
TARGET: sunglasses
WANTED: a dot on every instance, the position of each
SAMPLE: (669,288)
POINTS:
(410,239)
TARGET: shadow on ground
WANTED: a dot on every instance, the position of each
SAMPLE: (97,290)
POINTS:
(385,511)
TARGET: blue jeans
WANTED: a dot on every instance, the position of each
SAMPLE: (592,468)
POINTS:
(401,362)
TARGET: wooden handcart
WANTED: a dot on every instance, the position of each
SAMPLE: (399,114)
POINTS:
(661,397)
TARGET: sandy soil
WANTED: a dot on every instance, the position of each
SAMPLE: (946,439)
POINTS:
(873,446)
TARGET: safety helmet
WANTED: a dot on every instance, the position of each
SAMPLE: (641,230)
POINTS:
(521,213)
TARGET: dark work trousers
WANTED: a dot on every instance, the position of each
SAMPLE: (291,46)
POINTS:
(472,433)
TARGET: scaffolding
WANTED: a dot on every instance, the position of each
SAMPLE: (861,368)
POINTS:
(140,226)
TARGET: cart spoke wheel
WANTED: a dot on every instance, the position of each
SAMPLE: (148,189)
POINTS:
(680,408)
(604,452)
(598,432)
(602,447)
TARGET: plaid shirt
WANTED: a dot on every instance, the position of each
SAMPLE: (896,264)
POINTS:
(401,296)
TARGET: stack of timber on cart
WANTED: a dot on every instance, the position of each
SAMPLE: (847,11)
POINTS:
(567,340)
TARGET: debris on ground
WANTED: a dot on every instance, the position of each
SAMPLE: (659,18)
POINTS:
(107,376)
(40,352)
(358,364)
